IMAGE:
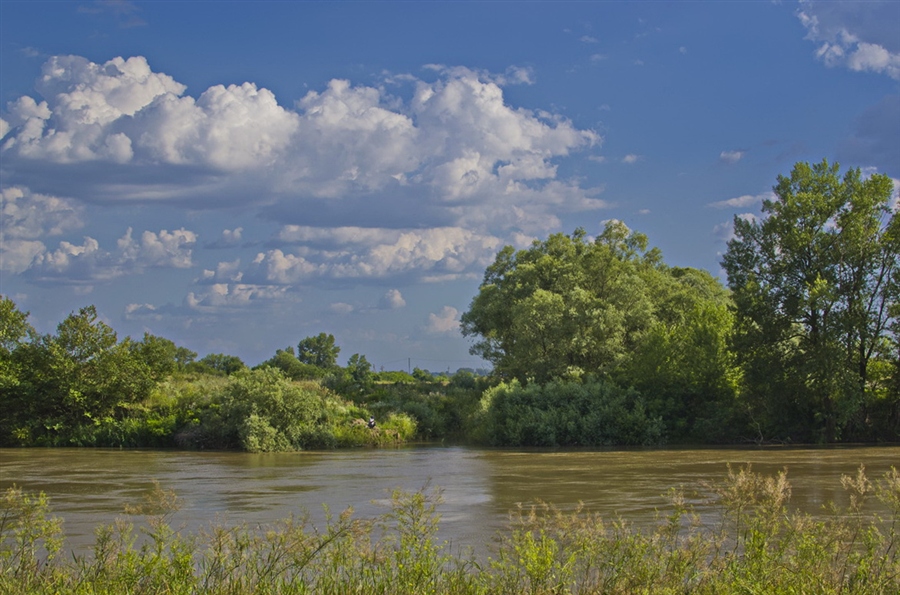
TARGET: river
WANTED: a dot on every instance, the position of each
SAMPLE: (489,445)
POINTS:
(88,487)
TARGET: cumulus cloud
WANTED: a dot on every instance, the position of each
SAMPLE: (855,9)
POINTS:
(27,218)
(456,141)
(745,200)
(234,296)
(858,36)
(367,185)
(341,308)
(165,249)
(88,263)
(631,158)
(30,215)
(225,272)
(731,157)
(392,300)
(444,322)
(229,238)
(384,254)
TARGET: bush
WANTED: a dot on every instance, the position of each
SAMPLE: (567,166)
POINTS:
(593,413)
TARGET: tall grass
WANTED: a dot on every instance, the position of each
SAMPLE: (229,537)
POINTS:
(758,546)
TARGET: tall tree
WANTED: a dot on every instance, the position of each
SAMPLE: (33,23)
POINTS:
(564,306)
(319,351)
(74,378)
(570,306)
(813,283)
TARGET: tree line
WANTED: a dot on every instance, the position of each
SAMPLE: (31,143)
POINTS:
(593,341)
(802,345)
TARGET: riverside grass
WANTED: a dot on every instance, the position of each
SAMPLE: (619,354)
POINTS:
(758,546)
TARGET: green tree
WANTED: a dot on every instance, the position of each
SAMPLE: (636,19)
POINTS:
(74,379)
(360,370)
(222,363)
(564,306)
(684,364)
(14,329)
(287,362)
(319,351)
(814,283)
(159,354)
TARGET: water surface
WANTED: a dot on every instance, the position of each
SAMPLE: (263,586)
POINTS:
(88,487)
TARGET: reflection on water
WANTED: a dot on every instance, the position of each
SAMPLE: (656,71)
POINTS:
(88,487)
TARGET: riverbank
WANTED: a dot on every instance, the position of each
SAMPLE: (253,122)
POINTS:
(759,546)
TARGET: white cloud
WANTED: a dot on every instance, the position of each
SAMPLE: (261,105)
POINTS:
(859,36)
(444,322)
(631,158)
(225,272)
(731,156)
(28,215)
(165,249)
(341,308)
(88,262)
(16,256)
(229,238)
(387,254)
(231,296)
(304,234)
(742,201)
(392,300)
(588,39)
(458,163)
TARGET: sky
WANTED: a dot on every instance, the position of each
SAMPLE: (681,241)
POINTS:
(236,176)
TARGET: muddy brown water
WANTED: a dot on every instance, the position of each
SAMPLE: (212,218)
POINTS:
(90,487)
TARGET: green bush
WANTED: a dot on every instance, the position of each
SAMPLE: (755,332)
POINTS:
(560,413)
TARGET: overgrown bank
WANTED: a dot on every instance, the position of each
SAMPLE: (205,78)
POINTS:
(759,546)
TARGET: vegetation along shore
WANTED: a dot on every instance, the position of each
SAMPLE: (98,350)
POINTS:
(757,545)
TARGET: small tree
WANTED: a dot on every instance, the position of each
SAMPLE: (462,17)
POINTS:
(319,351)
(360,370)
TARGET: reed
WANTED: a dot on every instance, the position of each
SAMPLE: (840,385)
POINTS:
(758,546)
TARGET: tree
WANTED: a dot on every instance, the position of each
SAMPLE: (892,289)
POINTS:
(319,351)
(814,283)
(74,378)
(222,363)
(360,370)
(14,328)
(566,306)
(159,354)
(287,362)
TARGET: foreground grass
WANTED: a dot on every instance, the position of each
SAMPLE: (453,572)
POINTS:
(758,547)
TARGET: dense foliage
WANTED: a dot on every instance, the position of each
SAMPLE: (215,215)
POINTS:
(571,308)
(83,387)
(803,348)
(816,283)
(758,545)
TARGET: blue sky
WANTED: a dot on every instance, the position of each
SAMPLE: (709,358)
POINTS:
(236,176)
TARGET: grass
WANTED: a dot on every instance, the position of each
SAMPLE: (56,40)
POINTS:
(758,546)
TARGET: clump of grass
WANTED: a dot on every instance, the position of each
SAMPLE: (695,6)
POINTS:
(758,546)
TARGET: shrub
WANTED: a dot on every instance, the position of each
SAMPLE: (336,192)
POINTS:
(560,413)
